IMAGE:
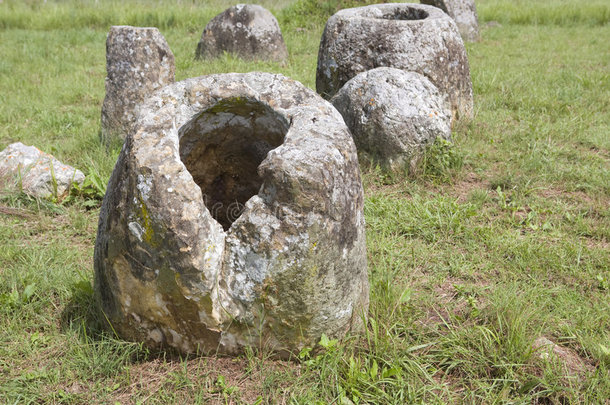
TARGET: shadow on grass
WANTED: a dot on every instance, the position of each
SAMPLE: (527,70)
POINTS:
(82,313)
(99,351)
(100,346)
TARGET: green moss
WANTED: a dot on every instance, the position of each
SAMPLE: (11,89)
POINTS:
(290,294)
(179,306)
(241,106)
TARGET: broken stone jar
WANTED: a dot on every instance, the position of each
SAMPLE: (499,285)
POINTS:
(234,218)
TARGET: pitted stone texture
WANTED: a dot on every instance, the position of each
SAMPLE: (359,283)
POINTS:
(291,264)
(138,62)
(410,37)
(463,12)
(36,173)
(393,115)
(247,30)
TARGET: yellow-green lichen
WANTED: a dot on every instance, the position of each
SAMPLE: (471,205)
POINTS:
(148,234)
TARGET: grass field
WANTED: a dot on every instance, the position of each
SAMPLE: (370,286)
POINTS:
(503,239)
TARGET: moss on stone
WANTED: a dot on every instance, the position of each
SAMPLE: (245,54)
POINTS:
(241,106)
(149,234)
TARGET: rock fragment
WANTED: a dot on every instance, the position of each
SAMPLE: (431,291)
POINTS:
(36,173)
(571,362)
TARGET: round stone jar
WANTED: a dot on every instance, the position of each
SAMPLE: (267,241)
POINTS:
(411,37)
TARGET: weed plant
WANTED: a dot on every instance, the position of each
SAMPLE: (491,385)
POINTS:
(504,239)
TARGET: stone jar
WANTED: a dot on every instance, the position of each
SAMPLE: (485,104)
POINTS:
(247,30)
(412,37)
(234,218)
(138,62)
(393,115)
(463,12)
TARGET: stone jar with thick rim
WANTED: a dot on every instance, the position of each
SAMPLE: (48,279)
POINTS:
(411,37)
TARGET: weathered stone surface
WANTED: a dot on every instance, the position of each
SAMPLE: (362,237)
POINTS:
(571,362)
(247,30)
(393,114)
(233,218)
(138,62)
(410,37)
(36,173)
(463,12)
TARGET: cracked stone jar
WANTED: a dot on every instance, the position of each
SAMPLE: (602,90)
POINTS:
(234,218)
(411,37)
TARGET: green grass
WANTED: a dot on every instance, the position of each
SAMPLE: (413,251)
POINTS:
(543,12)
(504,237)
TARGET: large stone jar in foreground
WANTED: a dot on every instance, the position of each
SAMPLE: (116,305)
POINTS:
(412,37)
(233,218)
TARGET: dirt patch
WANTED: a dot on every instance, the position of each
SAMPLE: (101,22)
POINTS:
(461,188)
(444,294)
(579,197)
(454,388)
(17,212)
(471,181)
(217,380)
(594,149)
(601,244)
(451,298)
